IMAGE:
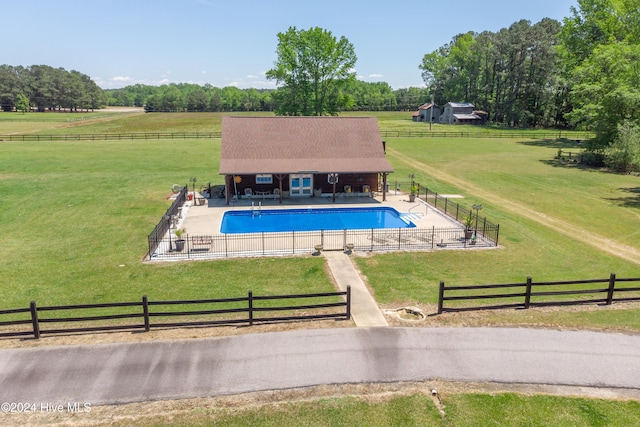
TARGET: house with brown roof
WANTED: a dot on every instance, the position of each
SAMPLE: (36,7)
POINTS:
(302,156)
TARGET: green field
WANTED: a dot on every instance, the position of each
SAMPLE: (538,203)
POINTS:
(75,217)
(53,123)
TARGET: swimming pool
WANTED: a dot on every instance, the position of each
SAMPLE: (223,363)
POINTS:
(312,219)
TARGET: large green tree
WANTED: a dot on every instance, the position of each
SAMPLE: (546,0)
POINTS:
(312,68)
(23,103)
(606,90)
(601,54)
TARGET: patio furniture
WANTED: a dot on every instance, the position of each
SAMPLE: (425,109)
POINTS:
(201,243)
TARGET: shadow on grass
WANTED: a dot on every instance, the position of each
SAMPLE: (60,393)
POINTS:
(554,143)
(631,201)
(570,164)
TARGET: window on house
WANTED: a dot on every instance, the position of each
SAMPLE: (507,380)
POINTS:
(264,179)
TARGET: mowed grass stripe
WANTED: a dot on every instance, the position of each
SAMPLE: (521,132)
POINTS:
(559,225)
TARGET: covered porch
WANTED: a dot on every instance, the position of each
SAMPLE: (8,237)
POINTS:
(305,184)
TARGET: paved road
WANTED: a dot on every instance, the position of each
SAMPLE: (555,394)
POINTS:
(118,373)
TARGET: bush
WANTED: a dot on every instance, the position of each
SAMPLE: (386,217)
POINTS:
(623,154)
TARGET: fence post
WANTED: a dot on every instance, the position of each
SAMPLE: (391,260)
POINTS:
(145,311)
(34,320)
(250,300)
(612,287)
(348,313)
(371,240)
(527,297)
(497,233)
(440,297)
(433,235)
(344,238)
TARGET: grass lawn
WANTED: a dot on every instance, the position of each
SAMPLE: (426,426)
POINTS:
(75,216)
(514,180)
(59,123)
(501,409)
(14,122)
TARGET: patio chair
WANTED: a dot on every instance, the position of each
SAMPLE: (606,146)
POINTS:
(248,192)
(276,193)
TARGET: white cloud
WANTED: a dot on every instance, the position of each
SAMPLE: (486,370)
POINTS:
(375,76)
(114,82)
(121,79)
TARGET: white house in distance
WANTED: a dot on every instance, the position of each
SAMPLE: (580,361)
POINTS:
(458,113)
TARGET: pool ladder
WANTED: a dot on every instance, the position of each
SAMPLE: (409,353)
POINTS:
(255,210)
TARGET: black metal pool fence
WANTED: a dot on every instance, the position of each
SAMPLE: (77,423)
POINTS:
(163,245)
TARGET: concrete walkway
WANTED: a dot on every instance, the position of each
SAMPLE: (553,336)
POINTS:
(364,309)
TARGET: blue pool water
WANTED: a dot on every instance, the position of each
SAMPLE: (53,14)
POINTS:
(311,219)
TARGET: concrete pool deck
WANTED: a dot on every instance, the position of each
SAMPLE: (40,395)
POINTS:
(206,219)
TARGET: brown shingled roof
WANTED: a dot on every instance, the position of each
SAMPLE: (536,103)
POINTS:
(323,144)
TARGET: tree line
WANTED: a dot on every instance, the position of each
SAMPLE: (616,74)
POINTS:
(46,88)
(362,96)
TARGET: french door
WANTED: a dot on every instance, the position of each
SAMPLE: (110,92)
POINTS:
(300,185)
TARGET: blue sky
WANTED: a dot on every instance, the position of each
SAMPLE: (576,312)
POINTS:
(232,43)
